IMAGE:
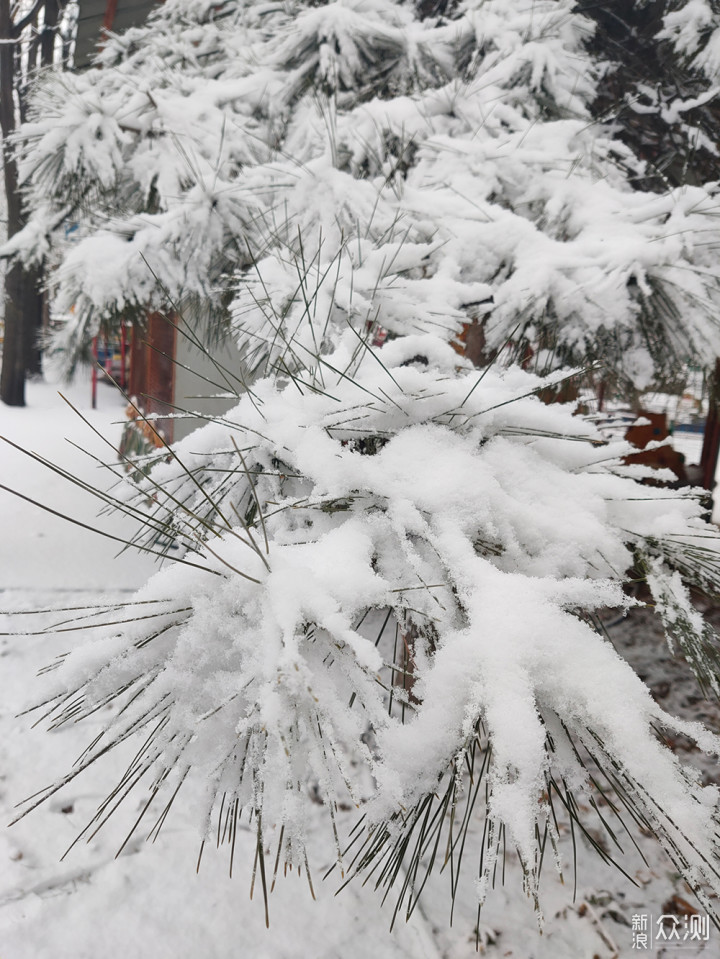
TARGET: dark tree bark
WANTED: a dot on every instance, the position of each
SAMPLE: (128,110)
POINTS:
(23,299)
(12,377)
(47,38)
(41,53)
(33,298)
(33,316)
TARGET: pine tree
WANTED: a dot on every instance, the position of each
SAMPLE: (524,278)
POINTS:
(388,565)
(205,144)
(27,42)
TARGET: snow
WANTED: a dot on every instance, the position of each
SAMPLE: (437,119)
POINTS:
(92,904)
(475,493)
(150,901)
(69,554)
(254,670)
(372,177)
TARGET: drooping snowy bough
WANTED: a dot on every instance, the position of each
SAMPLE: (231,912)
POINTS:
(221,141)
(396,567)
(386,568)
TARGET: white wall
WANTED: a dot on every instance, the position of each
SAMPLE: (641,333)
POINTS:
(194,393)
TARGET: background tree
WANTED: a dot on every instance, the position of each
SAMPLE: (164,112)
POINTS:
(387,565)
(658,89)
(660,94)
(168,158)
(28,35)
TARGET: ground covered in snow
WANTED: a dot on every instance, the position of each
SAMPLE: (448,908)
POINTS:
(149,901)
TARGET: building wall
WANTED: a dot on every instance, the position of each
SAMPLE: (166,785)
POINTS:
(192,392)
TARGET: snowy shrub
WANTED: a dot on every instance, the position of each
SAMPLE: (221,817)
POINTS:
(436,155)
(386,568)
(661,93)
(390,574)
(693,27)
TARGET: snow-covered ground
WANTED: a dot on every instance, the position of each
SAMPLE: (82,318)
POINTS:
(149,902)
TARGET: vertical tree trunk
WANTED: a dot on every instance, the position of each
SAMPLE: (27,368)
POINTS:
(12,377)
(711,439)
(23,301)
(33,298)
(47,40)
(32,309)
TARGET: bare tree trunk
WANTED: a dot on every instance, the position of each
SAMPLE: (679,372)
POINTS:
(47,40)
(12,377)
(23,301)
(711,439)
(33,314)
(33,299)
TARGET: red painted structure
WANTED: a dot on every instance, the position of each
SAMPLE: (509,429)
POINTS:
(110,11)
(152,370)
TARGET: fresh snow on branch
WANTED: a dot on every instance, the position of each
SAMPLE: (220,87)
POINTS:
(387,569)
(214,141)
(396,563)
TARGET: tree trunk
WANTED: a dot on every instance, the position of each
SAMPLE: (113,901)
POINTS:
(47,40)
(711,438)
(12,377)
(23,301)
(32,310)
(33,299)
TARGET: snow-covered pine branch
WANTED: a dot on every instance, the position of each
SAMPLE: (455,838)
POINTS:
(387,564)
(211,140)
(693,28)
(397,563)
(660,87)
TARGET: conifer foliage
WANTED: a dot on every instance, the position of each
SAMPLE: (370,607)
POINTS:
(223,142)
(387,565)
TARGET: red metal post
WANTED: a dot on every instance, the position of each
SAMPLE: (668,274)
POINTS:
(711,440)
(123,355)
(110,11)
(94,374)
